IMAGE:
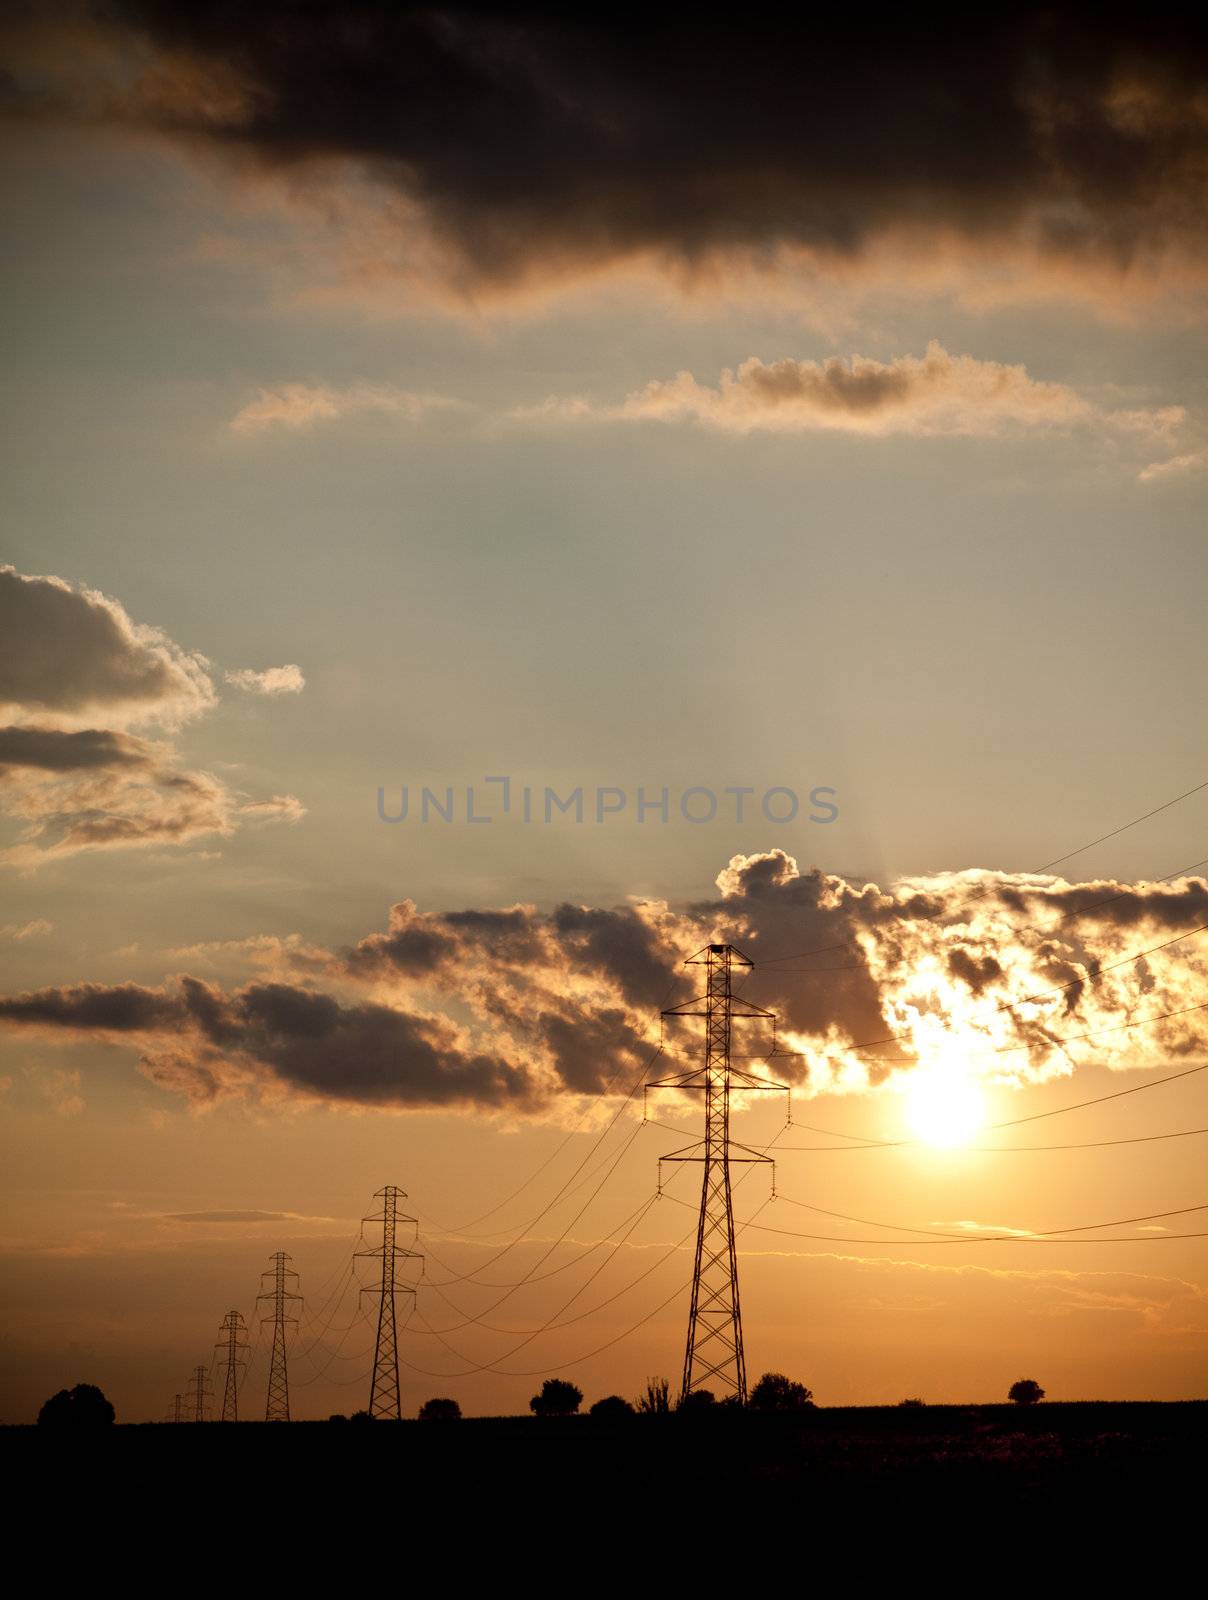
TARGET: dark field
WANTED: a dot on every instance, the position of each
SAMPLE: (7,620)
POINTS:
(831,1467)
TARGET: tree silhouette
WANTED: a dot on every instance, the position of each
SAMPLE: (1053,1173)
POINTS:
(557,1399)
(82,1407)
(361,1416)
(1025,1392)
(775,1392)
(440,1410)
(655,1399)
(913,1403)
(697,1400)
(611,1408)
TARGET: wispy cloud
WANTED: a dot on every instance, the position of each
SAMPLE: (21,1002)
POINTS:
(26,930)
(241,1216)
(271,681)
(934,395)
(301,405)
(1177,467)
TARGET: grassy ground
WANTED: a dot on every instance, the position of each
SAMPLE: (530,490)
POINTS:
(830,1467)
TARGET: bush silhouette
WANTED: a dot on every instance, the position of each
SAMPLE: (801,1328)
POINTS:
(557,1399)
(775,1392)
(82,1407)
(440,1410)
(697,1400)
(612,1407)
(360,1416)
(1025,1392)
(912,1404)
(655,1399)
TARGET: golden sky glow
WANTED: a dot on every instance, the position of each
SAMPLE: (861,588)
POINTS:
(437,402)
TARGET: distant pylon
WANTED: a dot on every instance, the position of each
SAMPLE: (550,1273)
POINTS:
(277,1406)
(714,1351)
(231,1347)
(178,1409)
(384,1396)
(200,1392)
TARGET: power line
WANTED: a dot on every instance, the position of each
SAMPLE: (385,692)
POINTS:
(553,1323)
(543,1371)
(1043,994)
(1066,916)
(558,1149)
(867,1142)
(583,1208)
(912,1244)
(977,893)
(1118,1094)
(1004,1233)
(986,1149)
(1124,827)
(612,1122)
(543,1277)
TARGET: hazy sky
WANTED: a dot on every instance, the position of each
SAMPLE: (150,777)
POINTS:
(405,398)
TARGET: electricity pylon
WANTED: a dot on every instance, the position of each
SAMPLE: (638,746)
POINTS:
(231,1346)
(714,1350)
(277,1406)
(200,1392)
(178,1408)
(384,1397)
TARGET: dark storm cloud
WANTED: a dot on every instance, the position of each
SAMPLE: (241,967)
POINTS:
(52,750)
(123,1008)
(206,1043)
(547,137)
(1017,971)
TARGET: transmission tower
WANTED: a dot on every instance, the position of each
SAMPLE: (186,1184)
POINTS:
(178,1408)
(231,1347)
(200,1392)
(277,1406)
(714,1351)
(384,1397)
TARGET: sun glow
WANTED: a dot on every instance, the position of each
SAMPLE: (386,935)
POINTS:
(944,1105)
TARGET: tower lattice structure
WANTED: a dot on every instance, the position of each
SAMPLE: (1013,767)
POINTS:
(199,1392)
(282,1296)
(384,1396)
(714,1354)
(231,1349)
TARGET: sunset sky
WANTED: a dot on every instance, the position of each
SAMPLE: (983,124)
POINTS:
(405,398)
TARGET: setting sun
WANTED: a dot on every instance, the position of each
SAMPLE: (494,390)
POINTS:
(944,1105)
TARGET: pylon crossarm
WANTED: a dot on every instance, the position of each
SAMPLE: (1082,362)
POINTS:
(740,1010)
(688,1080)
(742,1081)
(701,958)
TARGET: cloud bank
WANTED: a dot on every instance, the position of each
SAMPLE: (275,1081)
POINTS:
(1004,978)
(532,142)
(936,394)
(70,659)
